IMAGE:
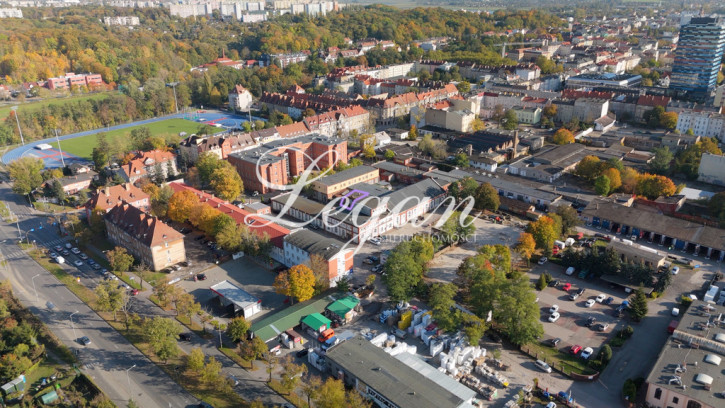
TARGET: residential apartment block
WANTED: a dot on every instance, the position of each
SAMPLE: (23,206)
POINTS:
(128,21)
(276,162)
(72,80)
(221,145)
(327,187)
(144,236)
(148,164)
(705,124)
(106,198)
(698,55)
(240,99)
(530,116)
(712,169)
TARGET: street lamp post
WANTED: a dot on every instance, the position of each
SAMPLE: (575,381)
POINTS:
(61,151)
(128,380)
(35,290)
(15,110)
(72,325)
(176,102)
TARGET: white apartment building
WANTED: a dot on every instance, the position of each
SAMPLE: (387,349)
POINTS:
(705,124)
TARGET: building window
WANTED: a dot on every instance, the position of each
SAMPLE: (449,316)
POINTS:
(675,400)
(658,393)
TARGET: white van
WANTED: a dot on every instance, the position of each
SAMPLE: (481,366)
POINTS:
(570,270)
(60,259)
(560,244)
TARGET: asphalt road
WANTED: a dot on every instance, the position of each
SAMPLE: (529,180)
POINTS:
(109,355)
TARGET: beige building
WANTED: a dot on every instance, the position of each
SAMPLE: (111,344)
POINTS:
(712,169)
(637,255)
(144,236)
(587,110)
(240,99)
(530,116)
(327,187)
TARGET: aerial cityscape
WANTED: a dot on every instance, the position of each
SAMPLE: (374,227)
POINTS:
(362,203)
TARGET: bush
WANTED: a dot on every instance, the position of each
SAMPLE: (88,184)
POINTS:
(629,390)
(617,341)
(605,354)
(548,277)
(595,365)
(654,295)
(541,283)
(627,332)
(685,301)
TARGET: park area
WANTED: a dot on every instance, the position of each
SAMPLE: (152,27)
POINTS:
(168,129)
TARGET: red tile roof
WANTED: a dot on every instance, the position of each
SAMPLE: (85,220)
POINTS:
(108,197)
(256,224)
(653,100)
(144,227)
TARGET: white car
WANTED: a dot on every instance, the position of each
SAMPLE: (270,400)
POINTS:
(76,251)
(554,309)
(554,317)
(543,366)
(586,353)
(551,405)
(675,270)
(543,260)
(375,241)
(590,303)
(78,263)
(600,298)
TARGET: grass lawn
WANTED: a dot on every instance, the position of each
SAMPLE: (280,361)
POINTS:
(36,105)
(559,360)
(169,129)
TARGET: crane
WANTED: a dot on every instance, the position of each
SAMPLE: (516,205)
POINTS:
(503,46)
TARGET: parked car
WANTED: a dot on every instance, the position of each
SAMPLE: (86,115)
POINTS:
(608,301)
(587,352)
(554,317)
(84,340)
(52,255)
(65,252)
(675,270)
(566,287)
(591,321)
(590,303)
(543,260)
(134,292)
(574,296)
(201,276)
(575,349)
(600,298)
(96,266)
(570,270)
(580,291)
(58,248)
(185,336)
(554,284)
(543,366)
(83,256)
(601,327)
(377,268)
(303,352)
(554,342)
(75,251)
(375,241)
(78,263)
(554,309)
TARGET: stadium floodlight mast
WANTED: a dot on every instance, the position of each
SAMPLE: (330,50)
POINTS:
(15,110)
(176,102)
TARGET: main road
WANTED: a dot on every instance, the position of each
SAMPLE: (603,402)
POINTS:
(109,360)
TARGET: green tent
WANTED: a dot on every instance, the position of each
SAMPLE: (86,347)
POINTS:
(49,397)
(317,322)
(343,306)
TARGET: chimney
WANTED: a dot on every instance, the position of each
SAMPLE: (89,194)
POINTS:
(516,143)
(127,186)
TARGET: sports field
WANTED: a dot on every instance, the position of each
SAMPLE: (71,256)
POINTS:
(35,105)
(168,129)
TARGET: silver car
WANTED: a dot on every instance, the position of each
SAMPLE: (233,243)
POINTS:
(540,364)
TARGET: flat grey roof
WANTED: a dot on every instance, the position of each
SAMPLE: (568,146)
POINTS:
(234,293)
(677,351)
(397,168)
(350,173)
(399,383)
(314,243)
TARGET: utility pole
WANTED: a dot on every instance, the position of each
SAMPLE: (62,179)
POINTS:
(15,110)
(176,102)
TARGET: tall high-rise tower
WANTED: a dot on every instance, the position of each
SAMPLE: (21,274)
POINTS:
(698,55)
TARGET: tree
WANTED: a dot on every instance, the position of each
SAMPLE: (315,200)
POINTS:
(389,155)
(668,120)
(661,163)
(211,372)
(541,282)
(413,133)
(26,174)
(544,233)
(518,312)
(477,124)
(186,305)
(563,136)
(161,333)
(653,116)
(588,168)
(460,160)
(440,300)
(99,157)
(638,305)
(473,328)
(180,205)
(402,274)
(653,186)
(368,151)
(237,328)
(615,179)
(111,298)
(602,185)
(227,234)
(569,218)
(550,111)
(291,374)
(630,177)
(132,404)
(320,268)
(253,349)
(297,282)
(206,164)
(511,120)
(58,191)
(310,387)
(464,87)
(487,198)
(526,245)
(605,354)
(330,394)
(226,182)
(195,360)
(119,259)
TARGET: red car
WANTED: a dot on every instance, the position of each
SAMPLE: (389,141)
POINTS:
(134,292)
(566,287)
(575,349)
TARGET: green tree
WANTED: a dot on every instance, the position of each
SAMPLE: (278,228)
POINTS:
(291,374)
(211,373)
(518,312)
(455,229)
(161,333)
(389,155)
(563,136)
(253,349)
(111,298)
(473,328)
(569,218)
(541,283)
(206,164)
(464,87)
(544,233)
(330,394)
(662,161)
(615,178)
(297,282)
(511,120)
(460,160)
(227,234)
(602,185)
(26,174)
(226,182)
(668,120)
(487,197)
(119,259)
(638,305)
(440,300)
(195,360)
(605,354)
(588,168)
(237,328)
